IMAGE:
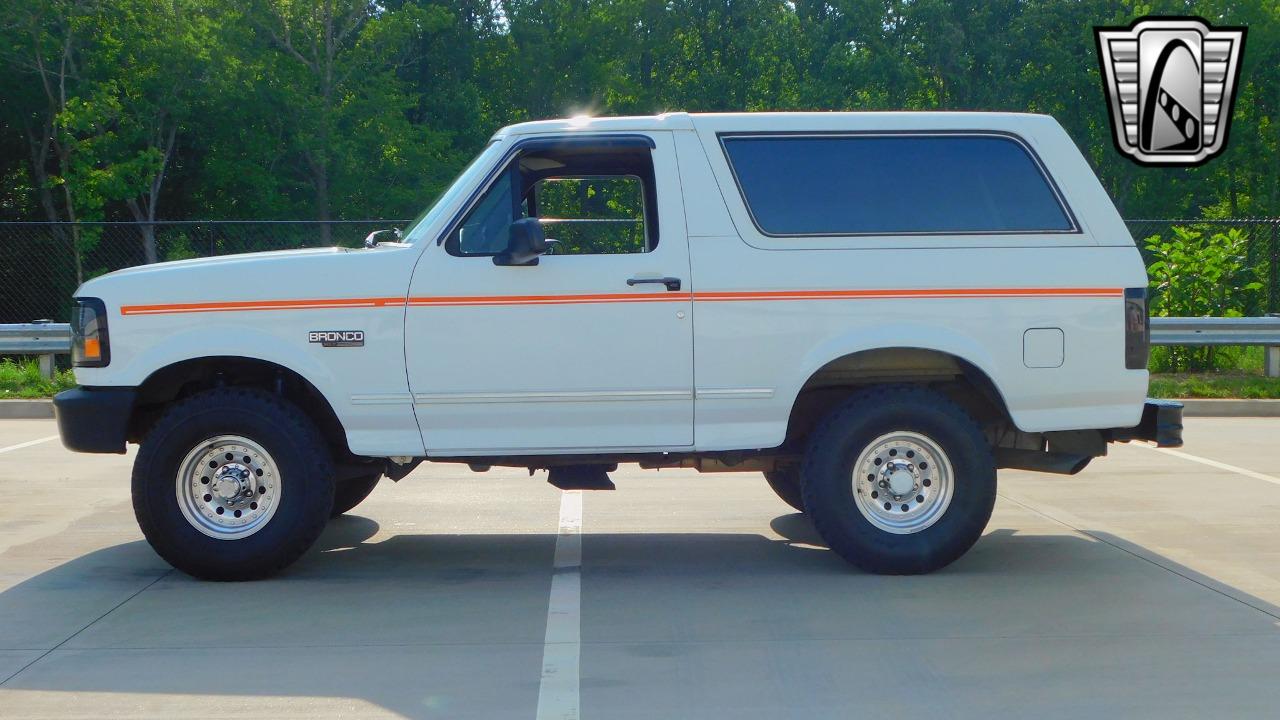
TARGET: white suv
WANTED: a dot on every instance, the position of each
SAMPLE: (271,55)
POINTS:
(875,310)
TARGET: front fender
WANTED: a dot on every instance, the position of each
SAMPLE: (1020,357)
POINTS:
(146,353)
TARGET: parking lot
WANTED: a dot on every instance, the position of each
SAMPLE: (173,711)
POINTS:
(1146,586)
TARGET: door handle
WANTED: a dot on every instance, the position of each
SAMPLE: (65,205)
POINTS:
(673,284)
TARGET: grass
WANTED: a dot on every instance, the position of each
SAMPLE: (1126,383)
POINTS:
(22,379)
(1213,385)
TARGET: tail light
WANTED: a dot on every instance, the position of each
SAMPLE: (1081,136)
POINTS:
(90,346)
(1137,329)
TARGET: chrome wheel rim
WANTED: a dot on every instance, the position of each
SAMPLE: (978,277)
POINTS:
(228,487)
(902,482)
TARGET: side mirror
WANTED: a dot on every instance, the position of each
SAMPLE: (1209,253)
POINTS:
(525,242)
(371,240)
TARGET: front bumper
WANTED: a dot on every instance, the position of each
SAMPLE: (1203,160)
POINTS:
(1161,424)
(94,419)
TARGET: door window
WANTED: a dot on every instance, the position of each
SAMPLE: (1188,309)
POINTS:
(484,232)
(590,201)
(601,215)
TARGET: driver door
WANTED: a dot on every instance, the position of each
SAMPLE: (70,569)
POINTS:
(591,348)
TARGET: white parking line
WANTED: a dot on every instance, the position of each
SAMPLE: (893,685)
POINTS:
(1215,464)
(29,443)
(558,691)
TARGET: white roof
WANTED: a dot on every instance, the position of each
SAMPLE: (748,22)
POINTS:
(784,121)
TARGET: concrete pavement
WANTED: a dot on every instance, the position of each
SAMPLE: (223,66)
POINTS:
(1146,586)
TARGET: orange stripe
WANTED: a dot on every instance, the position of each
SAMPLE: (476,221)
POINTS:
(261,305)
(917,293)
(727,296)
(548,299)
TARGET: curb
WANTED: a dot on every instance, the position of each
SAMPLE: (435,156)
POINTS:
(1193,407)
(26,409)
(1213,407)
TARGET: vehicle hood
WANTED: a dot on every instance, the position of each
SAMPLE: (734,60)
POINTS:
(284,274)
(222,261)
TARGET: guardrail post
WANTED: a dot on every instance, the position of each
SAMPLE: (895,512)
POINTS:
(1271,361)
(1274,274)
(46,366)
(1273,294)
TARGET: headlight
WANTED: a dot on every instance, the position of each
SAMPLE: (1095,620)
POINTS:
(89,343)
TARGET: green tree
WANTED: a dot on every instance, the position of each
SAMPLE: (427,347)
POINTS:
(46,41)
(150,64)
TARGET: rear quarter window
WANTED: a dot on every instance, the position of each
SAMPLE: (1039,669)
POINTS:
(807,185)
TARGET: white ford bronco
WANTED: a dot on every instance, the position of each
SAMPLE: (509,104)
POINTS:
(875,310)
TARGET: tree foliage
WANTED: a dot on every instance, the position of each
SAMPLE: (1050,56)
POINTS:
(260,109)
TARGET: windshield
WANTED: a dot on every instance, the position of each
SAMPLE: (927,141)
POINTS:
(463,181)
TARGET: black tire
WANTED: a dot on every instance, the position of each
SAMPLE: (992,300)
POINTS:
(838,441)
(786,483)
(350,493)
(294,445)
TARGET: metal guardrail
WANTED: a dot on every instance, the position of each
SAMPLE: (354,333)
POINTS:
(49,339)
(1264,331)
(1216,331)
(44,339)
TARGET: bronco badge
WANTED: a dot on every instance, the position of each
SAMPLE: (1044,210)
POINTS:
(1170,83)
(337,338)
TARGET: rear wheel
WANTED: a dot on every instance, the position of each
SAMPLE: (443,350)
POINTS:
(899,480)
(786,483)
(350,493)
(232,484)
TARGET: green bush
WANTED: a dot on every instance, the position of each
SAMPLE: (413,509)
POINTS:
(1196,274)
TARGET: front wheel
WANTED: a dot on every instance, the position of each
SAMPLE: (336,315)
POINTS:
(232,484)
(899,480)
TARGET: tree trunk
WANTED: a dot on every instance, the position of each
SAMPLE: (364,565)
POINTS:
(322,204)
(75,233)
(149,243)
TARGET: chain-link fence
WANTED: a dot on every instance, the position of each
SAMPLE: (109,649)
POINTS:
(43,263)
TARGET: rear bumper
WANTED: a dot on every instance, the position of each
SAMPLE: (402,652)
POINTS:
(94,419)
(1161,424)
